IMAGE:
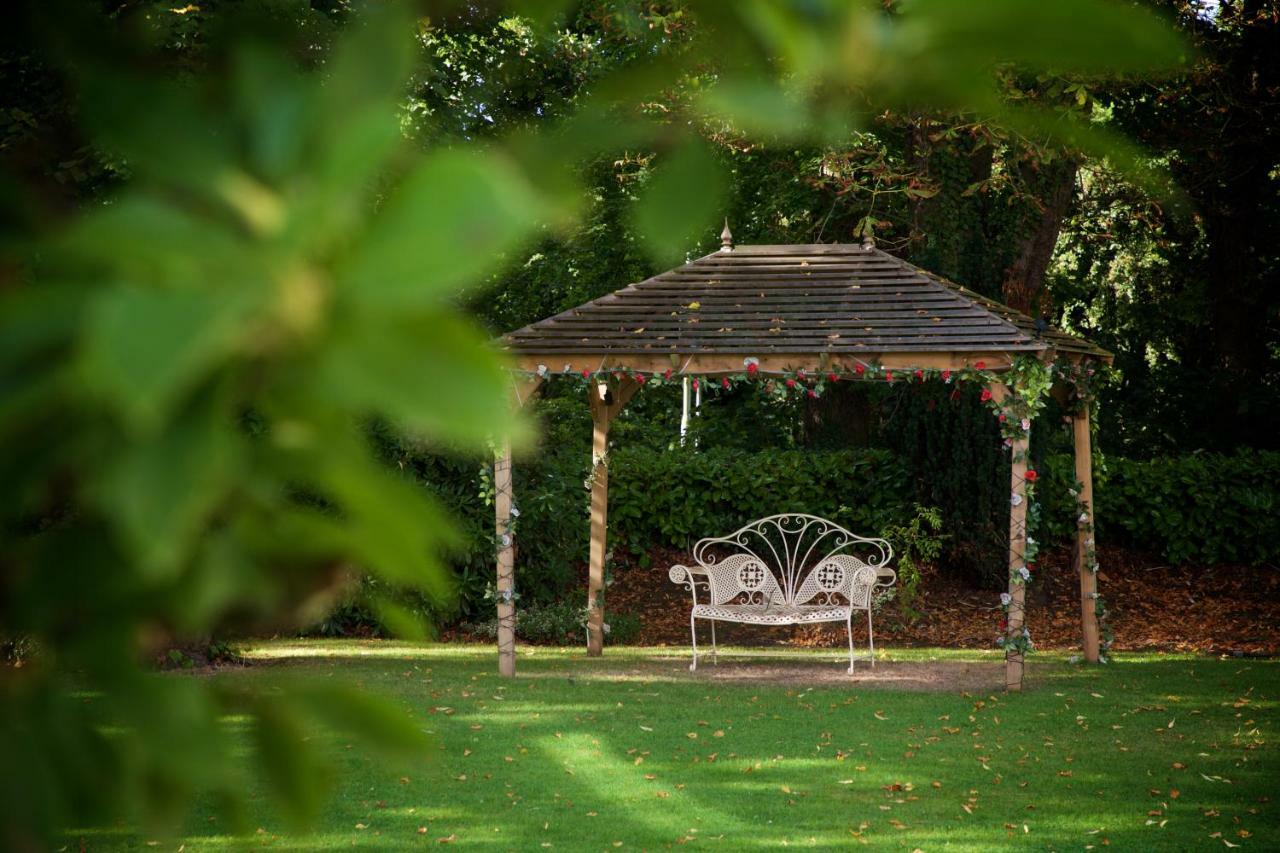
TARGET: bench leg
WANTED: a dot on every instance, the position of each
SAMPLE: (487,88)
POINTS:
(871,639)
(713,642)
(848,623)
(693,633)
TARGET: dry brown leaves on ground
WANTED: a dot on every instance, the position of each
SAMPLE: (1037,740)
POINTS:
(1213,609)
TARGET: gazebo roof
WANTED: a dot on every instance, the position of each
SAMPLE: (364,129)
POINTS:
(822,298)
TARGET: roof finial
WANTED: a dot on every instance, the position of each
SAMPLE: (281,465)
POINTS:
(726,237)
(868,241)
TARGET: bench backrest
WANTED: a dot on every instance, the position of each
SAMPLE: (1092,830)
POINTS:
(793,559)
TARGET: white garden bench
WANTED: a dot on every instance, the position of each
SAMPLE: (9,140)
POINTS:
(786,569)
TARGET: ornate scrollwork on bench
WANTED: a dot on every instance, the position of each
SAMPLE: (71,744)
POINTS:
(785,570)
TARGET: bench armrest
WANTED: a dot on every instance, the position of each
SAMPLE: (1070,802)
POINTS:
(690,576)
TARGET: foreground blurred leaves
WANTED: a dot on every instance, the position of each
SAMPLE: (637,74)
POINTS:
(187,371)
(187,365)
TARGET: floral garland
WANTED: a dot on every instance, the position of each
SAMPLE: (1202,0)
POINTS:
(779,384)
(1082,380)
(1085,524)
(504,539)
(1028,380)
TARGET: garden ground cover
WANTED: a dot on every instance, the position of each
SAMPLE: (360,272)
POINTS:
(775,748)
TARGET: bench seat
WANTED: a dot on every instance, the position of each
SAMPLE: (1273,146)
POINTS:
(777,614)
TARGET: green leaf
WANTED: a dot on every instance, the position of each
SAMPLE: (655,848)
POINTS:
(144,348)
(681,202)
(758,108)
(429,372)
(377,721)
(449,223)
(294,772)
(161,491)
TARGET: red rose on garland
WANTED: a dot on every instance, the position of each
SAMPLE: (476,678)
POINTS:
(667,375)
(695,385)
(1031,475)
(724,383)
(586,374)
(813,393)
(752,369)
(920,375)
(791,383)
(888,376)
(859,369)
(946,376)
(986,394)
(981,365)
(831,377)
(640,377)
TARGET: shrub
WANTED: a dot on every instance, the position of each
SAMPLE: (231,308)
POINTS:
(1200,507)
(561,623)
(679,496)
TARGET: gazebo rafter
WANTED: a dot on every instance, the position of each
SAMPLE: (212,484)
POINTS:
(782,311)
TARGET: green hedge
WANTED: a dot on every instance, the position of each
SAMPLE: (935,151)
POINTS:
(679,496)
(1201,507)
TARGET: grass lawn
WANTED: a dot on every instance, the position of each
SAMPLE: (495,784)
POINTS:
(1153,752)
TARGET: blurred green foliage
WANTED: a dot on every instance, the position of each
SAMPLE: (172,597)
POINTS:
(247,239)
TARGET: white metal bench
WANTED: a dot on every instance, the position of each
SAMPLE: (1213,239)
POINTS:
(785,570)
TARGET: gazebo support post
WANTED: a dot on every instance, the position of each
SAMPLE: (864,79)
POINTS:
(606,402)
(506,559)
(1017,548)
(1085,533)
(1016,616)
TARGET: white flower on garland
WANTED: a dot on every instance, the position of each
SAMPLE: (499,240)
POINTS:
(515,513)
(506,540)
(1005,598)
(1084,518)
(542,370)
(1015,499)
(1026,424)
(747,362)
(1025,573)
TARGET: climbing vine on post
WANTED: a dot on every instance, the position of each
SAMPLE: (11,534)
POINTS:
(1019,396)
(1082,380)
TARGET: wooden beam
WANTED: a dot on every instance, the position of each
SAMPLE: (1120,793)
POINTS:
(521,392)
(723,364)
(1085,535)
(602,414)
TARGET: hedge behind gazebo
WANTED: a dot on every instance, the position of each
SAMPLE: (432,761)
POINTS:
(794,319)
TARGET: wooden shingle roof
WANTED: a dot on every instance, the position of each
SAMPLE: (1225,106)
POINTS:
(761,300)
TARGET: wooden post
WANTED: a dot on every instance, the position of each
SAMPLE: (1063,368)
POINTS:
(602,414)
(506,559)
(1017,548)
(1085,534)
(1016,616)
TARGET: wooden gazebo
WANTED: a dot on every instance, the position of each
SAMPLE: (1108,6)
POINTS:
(785,312)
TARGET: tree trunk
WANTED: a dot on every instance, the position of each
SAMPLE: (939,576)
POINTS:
(1023,287)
